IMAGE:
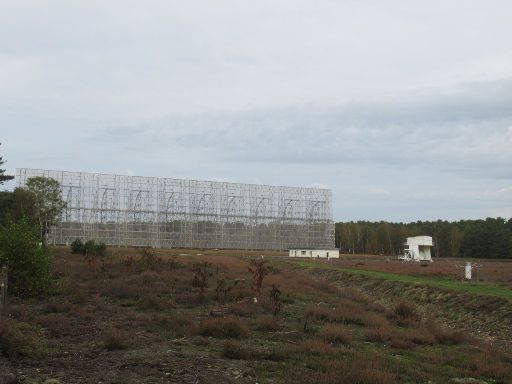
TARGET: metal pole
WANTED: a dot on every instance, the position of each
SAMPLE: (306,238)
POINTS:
(3,292)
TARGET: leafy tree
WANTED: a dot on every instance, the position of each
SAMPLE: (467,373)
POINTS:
(48,203)
(501,245)
(456,239)
(6,204)
(24,207)
(3,176)
(476,241)
(17,206)
(29,264)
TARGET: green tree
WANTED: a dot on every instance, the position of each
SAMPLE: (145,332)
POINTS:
(48,203)
(6,204)
(456,239)
(23,207)
(29,265)
(17,206)
(3,176)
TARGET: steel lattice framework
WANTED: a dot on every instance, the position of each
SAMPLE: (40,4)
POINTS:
(162,212)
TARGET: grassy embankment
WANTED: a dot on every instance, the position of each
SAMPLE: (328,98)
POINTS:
(479,288)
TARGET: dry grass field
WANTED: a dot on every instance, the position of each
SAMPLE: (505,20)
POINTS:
(189,316)
(486,270)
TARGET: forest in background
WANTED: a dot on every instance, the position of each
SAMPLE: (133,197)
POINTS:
(489,238)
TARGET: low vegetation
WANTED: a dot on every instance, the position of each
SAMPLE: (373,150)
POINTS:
(223,328)
(115,339)
(147,316)
(89,248)
(20,339)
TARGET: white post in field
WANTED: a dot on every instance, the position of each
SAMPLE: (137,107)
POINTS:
(468,270)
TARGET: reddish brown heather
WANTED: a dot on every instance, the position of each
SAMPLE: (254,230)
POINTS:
(336,334)
(223,328)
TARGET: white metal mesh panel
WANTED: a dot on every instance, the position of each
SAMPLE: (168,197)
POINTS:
(162,212)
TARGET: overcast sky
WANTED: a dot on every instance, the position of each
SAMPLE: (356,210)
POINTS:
(402,108)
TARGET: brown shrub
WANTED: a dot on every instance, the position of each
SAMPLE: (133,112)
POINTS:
(172,319)
(367,369)
(402,339)
(19,339)
(302,285)
(240,292)
(114,339)
(420,336)
(319,313)
(322,286)
(223,328)
(177,323)
(490,304)
(490,363)
(11,341)
(189,299)
(127,261)
(267,324)
(379,334)
(88,313)
(347,312)
(245,309)
(152,303)
(122,289)
(54,305)
(315,347)
(373,320)
(201,341)
(148,260)
(78,297)
(355,295)
(336,334)
(55,324)
(258,268)
(357,369)
(150,276)
(448,336)
(405,314)
(376,307)
(239,351)
(402,343)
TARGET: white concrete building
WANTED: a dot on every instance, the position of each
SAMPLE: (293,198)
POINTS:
(418,248)
(315,253)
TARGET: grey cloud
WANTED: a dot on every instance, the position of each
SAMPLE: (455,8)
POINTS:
(402,109)
(413,131)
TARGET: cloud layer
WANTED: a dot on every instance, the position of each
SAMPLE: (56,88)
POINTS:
(404,111)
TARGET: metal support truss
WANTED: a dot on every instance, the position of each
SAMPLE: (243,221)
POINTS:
(162,212)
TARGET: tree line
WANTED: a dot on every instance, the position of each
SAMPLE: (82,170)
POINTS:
(489,238)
